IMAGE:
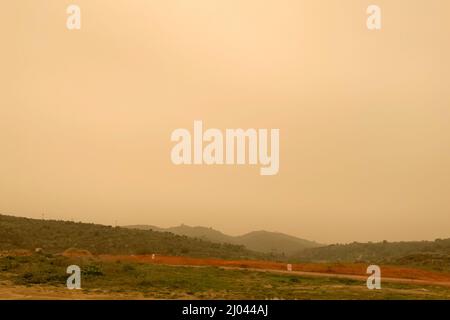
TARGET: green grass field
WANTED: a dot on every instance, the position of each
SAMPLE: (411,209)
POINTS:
(175,282)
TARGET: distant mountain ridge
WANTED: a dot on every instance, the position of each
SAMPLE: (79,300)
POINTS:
(260,241)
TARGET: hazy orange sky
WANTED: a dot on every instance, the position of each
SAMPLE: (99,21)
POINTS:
(86,116)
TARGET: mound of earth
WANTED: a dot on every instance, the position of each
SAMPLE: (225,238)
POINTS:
(74,253)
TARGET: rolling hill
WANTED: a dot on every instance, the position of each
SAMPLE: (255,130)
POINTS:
(431,253)
(260,241)
(57,236)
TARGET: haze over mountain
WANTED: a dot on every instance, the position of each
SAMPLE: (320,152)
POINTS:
(261,241)
(363,116)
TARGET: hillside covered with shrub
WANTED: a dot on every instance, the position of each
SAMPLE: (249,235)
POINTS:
(406,252)
(57,236)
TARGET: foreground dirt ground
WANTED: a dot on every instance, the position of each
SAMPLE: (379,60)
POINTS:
(9,291)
